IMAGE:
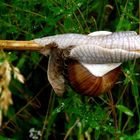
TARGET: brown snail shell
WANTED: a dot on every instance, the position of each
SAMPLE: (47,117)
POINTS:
(95,48)
(86,83)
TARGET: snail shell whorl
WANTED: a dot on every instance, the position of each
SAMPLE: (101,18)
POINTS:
(86,83)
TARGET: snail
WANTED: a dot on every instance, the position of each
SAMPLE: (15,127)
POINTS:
(87,83)
(89,63)
(92,79)
(92,61)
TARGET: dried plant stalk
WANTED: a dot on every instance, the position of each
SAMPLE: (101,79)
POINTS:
(20,45)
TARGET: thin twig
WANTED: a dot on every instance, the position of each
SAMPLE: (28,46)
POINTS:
(20,45)
(70,129)
(114,114)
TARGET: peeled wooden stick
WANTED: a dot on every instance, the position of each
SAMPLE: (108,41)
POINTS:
(20,45)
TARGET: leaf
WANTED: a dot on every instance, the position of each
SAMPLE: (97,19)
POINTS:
(125,110)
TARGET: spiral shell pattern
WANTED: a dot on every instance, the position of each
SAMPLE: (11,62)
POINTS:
(88,84)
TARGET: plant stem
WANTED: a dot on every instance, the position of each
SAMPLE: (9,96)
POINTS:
(20,45)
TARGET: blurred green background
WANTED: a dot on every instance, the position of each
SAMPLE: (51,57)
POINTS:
(37,113)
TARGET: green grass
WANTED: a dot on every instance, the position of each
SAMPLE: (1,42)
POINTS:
(112,116)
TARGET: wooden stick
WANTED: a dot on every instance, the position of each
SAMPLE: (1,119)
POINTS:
(20,45)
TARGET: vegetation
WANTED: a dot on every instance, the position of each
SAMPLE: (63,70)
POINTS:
(37,113)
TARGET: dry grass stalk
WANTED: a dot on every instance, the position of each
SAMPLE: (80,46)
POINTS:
(20,45)
(5,93)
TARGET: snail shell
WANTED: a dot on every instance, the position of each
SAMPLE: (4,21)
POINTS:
(85,83)
(93,80)
(86,79)
(96,48)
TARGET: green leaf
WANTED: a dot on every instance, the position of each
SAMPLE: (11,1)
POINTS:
(125,110)
(5,138)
